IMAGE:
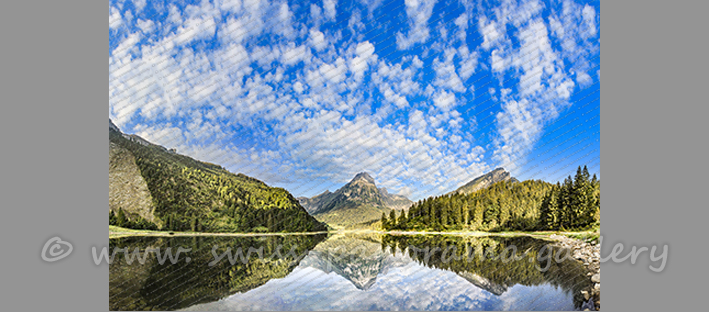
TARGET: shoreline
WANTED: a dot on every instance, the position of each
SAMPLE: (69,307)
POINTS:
(588,253)
(117,232)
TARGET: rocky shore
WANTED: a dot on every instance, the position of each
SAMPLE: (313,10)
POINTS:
(589,254)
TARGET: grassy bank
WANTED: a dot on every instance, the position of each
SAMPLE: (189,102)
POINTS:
(589,235)
(118,232)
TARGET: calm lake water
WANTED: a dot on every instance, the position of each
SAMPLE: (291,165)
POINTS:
(345,272)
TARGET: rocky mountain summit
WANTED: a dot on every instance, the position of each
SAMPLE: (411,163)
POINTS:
(484,181)
(358,201)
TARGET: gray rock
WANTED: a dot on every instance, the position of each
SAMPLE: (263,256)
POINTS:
(596,278)
(585,295)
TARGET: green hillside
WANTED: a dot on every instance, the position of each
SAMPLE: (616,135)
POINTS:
(352,215)
(190,195)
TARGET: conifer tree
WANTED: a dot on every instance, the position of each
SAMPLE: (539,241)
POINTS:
(402,220)
(392,219)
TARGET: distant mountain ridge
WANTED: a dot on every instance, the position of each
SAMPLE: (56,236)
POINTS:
(394,201)
(359,201)
(485,181)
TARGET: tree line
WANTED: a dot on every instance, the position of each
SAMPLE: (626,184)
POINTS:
(506,206)
(137,222)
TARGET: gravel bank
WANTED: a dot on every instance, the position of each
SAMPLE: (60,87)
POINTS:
(589,254)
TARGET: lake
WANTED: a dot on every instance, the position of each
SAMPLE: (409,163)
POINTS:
(345,272)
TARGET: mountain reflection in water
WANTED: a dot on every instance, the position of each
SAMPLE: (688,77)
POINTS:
(349,272)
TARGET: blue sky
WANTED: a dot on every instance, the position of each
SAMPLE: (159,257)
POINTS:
(424,95)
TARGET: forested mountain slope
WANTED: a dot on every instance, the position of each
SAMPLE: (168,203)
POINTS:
(188,194)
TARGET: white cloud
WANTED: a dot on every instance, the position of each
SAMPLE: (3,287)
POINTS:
(293,55)
(315,14)
(298,87)
(147,26)
(395,99)
(490,33)
(519,129)
(233,30)
(139,5)
(446,76)
(127,46)
(235,60)
(462,23)
(127,17)
(175,16)
(233,6)
(371,4)
(334,73)
(444,100)
(468,62)
(364,49)
(317,40)
(583,79)
(329,7)
(589,17)
(497,63)
(114,18)
(199,24)
(365,56)
(418,11)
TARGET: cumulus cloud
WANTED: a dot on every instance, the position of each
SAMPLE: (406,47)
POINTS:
(293,54)
(444,100)
(490,33)
(139,5)
(317,40)
(114,18)
(364,56)
(146,26)
(418,12)
(589,17)
(329,8)
(446,76)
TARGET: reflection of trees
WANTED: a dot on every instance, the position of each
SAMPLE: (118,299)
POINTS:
(480,261)
(175,286)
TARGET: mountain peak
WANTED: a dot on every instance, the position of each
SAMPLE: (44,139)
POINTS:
(363,176)
(357,202)
(483,181)
(112,126)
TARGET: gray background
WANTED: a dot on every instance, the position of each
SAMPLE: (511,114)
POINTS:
(54,168)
